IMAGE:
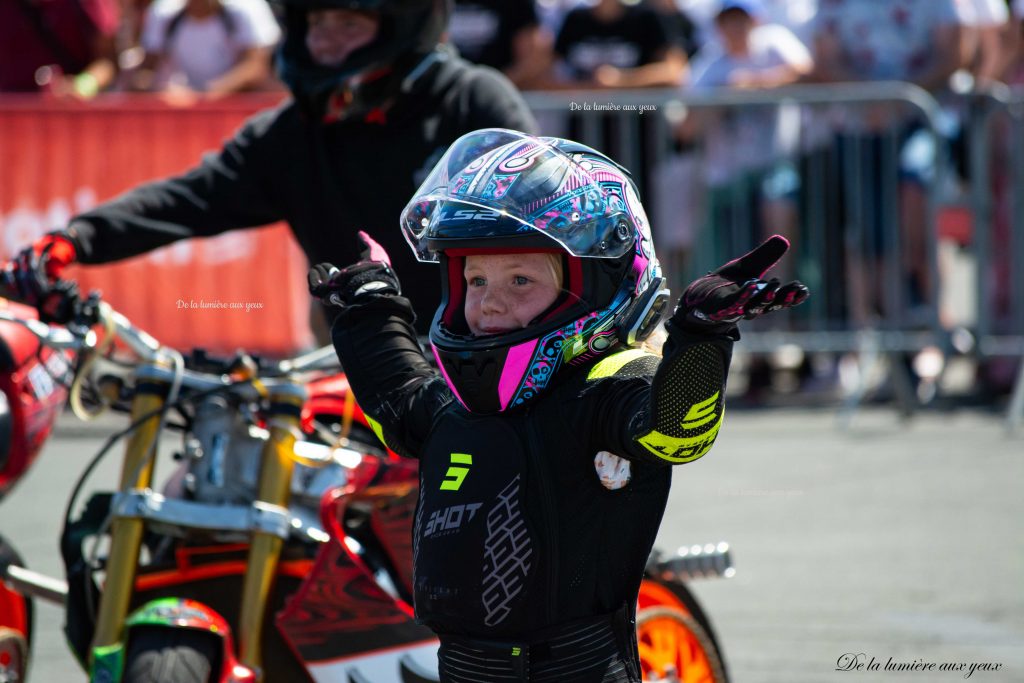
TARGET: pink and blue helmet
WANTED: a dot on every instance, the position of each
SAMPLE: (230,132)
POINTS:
(502,191)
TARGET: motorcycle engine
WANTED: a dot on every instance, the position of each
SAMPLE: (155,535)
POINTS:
(223,452)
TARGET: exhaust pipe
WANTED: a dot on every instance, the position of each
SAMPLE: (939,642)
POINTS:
(693,562)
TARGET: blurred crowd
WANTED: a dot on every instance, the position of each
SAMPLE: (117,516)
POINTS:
(213,47)
(748,176)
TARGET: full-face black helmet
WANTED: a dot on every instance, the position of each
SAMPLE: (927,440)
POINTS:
(409,32)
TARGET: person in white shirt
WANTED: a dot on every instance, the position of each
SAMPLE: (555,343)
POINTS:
(796,15)
(745,150)
(211,46)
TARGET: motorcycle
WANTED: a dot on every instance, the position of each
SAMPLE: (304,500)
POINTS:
(280,548)
(29,404)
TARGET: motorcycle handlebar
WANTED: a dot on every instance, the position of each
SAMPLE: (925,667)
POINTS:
(323,358)
(78,336)
(56,337)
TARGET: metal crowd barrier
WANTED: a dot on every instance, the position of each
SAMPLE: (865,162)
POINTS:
(996,163)
(850,196)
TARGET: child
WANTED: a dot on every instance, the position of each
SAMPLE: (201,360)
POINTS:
(543,434)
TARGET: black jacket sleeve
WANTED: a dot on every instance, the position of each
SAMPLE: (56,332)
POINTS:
(493,102)
(672,417)
(393,382)
(229,189)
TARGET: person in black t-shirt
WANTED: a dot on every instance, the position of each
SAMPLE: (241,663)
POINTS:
(681,30)
(377,100)
(503,34)
(615,45)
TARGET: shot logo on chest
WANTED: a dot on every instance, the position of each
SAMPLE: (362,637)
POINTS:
(449,520)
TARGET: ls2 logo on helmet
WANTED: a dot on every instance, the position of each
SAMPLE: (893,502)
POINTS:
(471,215)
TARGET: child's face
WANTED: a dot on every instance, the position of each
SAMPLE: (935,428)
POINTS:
(505,292)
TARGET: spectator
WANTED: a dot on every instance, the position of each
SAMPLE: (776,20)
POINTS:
(211,46)
(986,41)
(616,45)
(503,34)
(751,185)
(1014,74)
(64,46)
(551,13)
(986,56)
(796,15)
(682,31)
(702,13)
(871,40)
(997,375)
(909,41)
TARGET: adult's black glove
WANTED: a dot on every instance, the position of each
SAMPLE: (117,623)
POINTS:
(345,286)
(738,290)
(33,277)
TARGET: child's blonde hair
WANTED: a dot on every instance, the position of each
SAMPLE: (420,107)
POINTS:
(555,264)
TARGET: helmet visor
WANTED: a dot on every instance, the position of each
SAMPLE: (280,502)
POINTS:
(494,184)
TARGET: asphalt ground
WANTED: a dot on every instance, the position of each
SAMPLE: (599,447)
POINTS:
(894,539)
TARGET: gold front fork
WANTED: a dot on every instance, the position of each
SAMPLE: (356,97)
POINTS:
(126,533)
(265,550)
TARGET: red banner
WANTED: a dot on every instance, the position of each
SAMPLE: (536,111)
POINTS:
(243,289)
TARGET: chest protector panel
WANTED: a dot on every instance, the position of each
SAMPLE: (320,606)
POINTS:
(476,551)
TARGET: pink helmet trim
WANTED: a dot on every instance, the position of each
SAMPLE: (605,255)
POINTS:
(516,364)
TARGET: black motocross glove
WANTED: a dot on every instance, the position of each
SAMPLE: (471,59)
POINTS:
(737,290)
(33,277)
(345,286)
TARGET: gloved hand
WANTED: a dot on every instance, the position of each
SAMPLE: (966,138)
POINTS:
(33,276)
(715,302)
(343,287)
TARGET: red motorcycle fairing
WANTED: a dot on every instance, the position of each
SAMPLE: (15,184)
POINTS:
(15,622)
(393,508)
(183,613)
(30,396)
(331,396)
(341,621)
(327,397)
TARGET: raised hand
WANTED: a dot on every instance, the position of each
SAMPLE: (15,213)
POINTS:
(738,290)
(345,286)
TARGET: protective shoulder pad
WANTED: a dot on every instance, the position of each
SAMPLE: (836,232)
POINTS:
(625,364)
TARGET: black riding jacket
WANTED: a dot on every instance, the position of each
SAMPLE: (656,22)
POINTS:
(514,532)
(326,180)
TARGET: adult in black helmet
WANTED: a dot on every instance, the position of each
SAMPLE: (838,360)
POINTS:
(360,51)
(376,101)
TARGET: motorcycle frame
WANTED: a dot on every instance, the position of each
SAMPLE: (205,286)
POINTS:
(273,492)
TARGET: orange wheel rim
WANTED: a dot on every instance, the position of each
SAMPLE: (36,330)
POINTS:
(666,644)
